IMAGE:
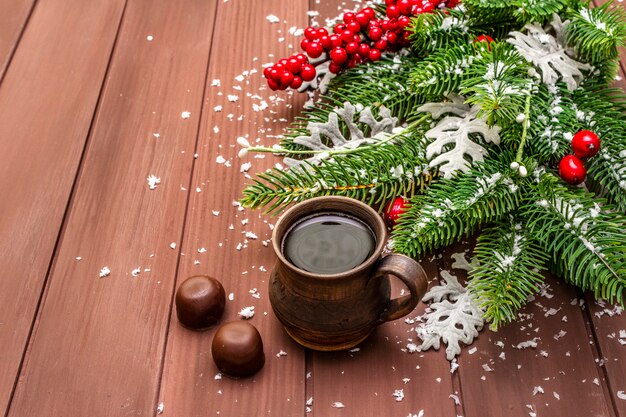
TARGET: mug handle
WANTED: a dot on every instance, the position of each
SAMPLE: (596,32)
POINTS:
(412,275)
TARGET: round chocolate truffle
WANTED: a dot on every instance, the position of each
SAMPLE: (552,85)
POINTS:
(238,349)
(200,302)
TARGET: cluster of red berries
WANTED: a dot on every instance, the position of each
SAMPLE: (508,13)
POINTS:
(585,144)
(361,37)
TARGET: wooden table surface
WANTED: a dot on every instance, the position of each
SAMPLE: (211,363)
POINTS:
(92,99)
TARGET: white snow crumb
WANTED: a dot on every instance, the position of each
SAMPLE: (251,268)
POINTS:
(313,13)
(281,353)
(215,212)
(596,381)
(245,167)
(220,159)
(156,135)
(538,390)
(255,293)
(135,272)
(196,262)
(240,78)
(161,406)
(251,235)
(399,394)
(406,380)
(231,296)
(198,189)
(309,402)
(149,38)
(412,348)
(419,414)
(216,129)
(153,180)
(246,313)
(354,350)
(551,312)
(527,344)
(232,98)
(185,114)
(438,380)
(455,398)
(262,269)
(239,246)
(105,272)
(217,109)
(216,83)
(621,395)
(544,353)
(272,19)
(337,404)
(79,258)
(218,376)
(472,350)
(201,250)
(560,335)
(487,368)
(556,395)
(502,356)
(173,245)
(454,365)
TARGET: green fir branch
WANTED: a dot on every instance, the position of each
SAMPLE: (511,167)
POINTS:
(583,237)
(374,175)
(506,270)
(439,30)
(451,209)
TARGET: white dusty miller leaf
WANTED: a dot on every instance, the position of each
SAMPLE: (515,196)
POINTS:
(549,54)
(321,80)
(455,317)
(451,136)
(329,136)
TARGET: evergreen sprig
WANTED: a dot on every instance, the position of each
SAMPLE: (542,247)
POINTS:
(583,236)
(506,270)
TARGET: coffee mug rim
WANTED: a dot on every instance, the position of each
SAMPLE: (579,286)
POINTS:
(369,262)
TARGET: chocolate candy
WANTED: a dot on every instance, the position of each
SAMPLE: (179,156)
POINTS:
(238,349)
(200,302)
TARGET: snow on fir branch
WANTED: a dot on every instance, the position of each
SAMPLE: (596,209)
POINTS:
(451,137)
(549,55)
(329,136)
(455,317)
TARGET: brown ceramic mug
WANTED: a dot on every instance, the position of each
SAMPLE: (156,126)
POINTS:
(339,310)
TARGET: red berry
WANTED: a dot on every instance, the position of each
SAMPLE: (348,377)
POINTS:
(273,84)
(336,41)
(302,58)
(286,78)
(374,55)
(326,42)
(404,6)
(572,170)
(395,209)
(334,68)
(304,43)
(308,72)
(266,72)
(352,48)
(390,2)
(294,65)
(296,83)
(279,67)
(381,44)
(321,32)
(585,144)
(339,56)
(369,12)
(354,27)
(347,36)
(348,17)
(339,28)
(392,38)
(484,38)
(362,19)
(404,21)
(393,11)
(429,8)
(310,33)
(315,49)
(375,34)
(364,50)
(274,74)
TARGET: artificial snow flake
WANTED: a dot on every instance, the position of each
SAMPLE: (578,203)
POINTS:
(246,313)
(548,52)
(455,317)
(153,180)
(399,394)
(337,404)
(328,136)
(451,136)
(105,272)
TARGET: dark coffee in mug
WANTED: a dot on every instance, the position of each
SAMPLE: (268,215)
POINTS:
(327,243)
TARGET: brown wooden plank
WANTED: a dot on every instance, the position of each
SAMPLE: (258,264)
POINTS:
(98,345)
(13,19)
(189,387)
(47,102)
(499,376)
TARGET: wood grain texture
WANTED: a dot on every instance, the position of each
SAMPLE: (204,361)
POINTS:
(235,87)
(503,373)
(47,101)
(98,345)
(13,18)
